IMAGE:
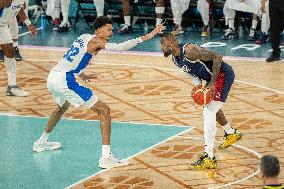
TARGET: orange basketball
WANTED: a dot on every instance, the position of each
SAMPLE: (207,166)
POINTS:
(200,95)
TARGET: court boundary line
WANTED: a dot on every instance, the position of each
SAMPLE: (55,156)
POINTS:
(92,120)
(257,154)
(140,53)
(168,69)
(134,155)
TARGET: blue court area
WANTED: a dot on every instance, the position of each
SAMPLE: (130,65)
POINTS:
(77,159)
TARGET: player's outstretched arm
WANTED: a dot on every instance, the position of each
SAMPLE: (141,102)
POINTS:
(133,42)
(195,52)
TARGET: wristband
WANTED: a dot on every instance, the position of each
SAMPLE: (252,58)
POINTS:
(27,22)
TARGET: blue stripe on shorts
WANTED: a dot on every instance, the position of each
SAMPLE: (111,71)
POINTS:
(84,92)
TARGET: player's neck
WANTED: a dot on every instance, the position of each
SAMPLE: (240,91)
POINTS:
(271,181)
(176,50)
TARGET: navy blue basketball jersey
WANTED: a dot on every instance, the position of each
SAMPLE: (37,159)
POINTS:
(200,69)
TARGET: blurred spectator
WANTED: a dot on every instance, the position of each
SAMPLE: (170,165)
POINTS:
(269,171)
(126,28)
(203,7)
(276,14)
(265,24)
(178,8)
(99,4)
(54,7)
(230,8)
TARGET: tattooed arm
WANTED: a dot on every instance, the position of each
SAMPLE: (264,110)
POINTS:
(194,52)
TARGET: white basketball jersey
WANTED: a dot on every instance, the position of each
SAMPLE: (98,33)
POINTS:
(76,58)
(10,12)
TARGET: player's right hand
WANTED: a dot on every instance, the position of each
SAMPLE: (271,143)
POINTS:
(32,29)
(159,29)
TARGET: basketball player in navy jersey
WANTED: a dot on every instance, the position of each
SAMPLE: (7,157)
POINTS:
(202,64)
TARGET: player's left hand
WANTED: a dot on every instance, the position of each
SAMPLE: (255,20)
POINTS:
(211,88)
(32,29)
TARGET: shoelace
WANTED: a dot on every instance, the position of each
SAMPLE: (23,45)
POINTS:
(251,33)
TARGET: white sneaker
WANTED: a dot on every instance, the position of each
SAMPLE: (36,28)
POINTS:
(16,91)
(43,146)
(111,161)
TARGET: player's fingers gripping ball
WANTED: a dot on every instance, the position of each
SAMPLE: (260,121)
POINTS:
(201,95)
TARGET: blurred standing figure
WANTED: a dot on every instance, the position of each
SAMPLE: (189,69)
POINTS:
(276,15)
(54,7)
(126,5)
(99,4)
(178,8)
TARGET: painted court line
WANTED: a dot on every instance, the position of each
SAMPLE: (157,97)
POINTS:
(74,119)
(130,157)
(237,146)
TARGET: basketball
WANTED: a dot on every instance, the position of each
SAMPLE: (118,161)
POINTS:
(200,95)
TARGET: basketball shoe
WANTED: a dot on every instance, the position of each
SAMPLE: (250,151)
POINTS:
(229,34)
(40,146)
(230,139)
(16,91)
(111,161)
(205,31)
(204,162)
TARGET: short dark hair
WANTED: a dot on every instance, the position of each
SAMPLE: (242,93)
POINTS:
(269,165)
(167,36)
(101,21)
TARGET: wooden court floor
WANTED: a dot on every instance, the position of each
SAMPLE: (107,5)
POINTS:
(148,88)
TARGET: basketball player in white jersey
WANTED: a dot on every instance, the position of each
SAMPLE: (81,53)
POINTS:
(65,90)
(8,10)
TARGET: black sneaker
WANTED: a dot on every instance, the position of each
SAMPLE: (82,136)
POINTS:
(252,35)
(273,58)
(124,30)
(18,56)
(1,56)
(64,28)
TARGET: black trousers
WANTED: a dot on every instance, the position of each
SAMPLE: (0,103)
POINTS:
(276,15)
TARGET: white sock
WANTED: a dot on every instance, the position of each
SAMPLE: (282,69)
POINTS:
(15,43)
(158,21)
(11,70)
(44,137)
(232,24)
(127,20)
(228,129)
(254,24)
(105,150)
(209,151)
